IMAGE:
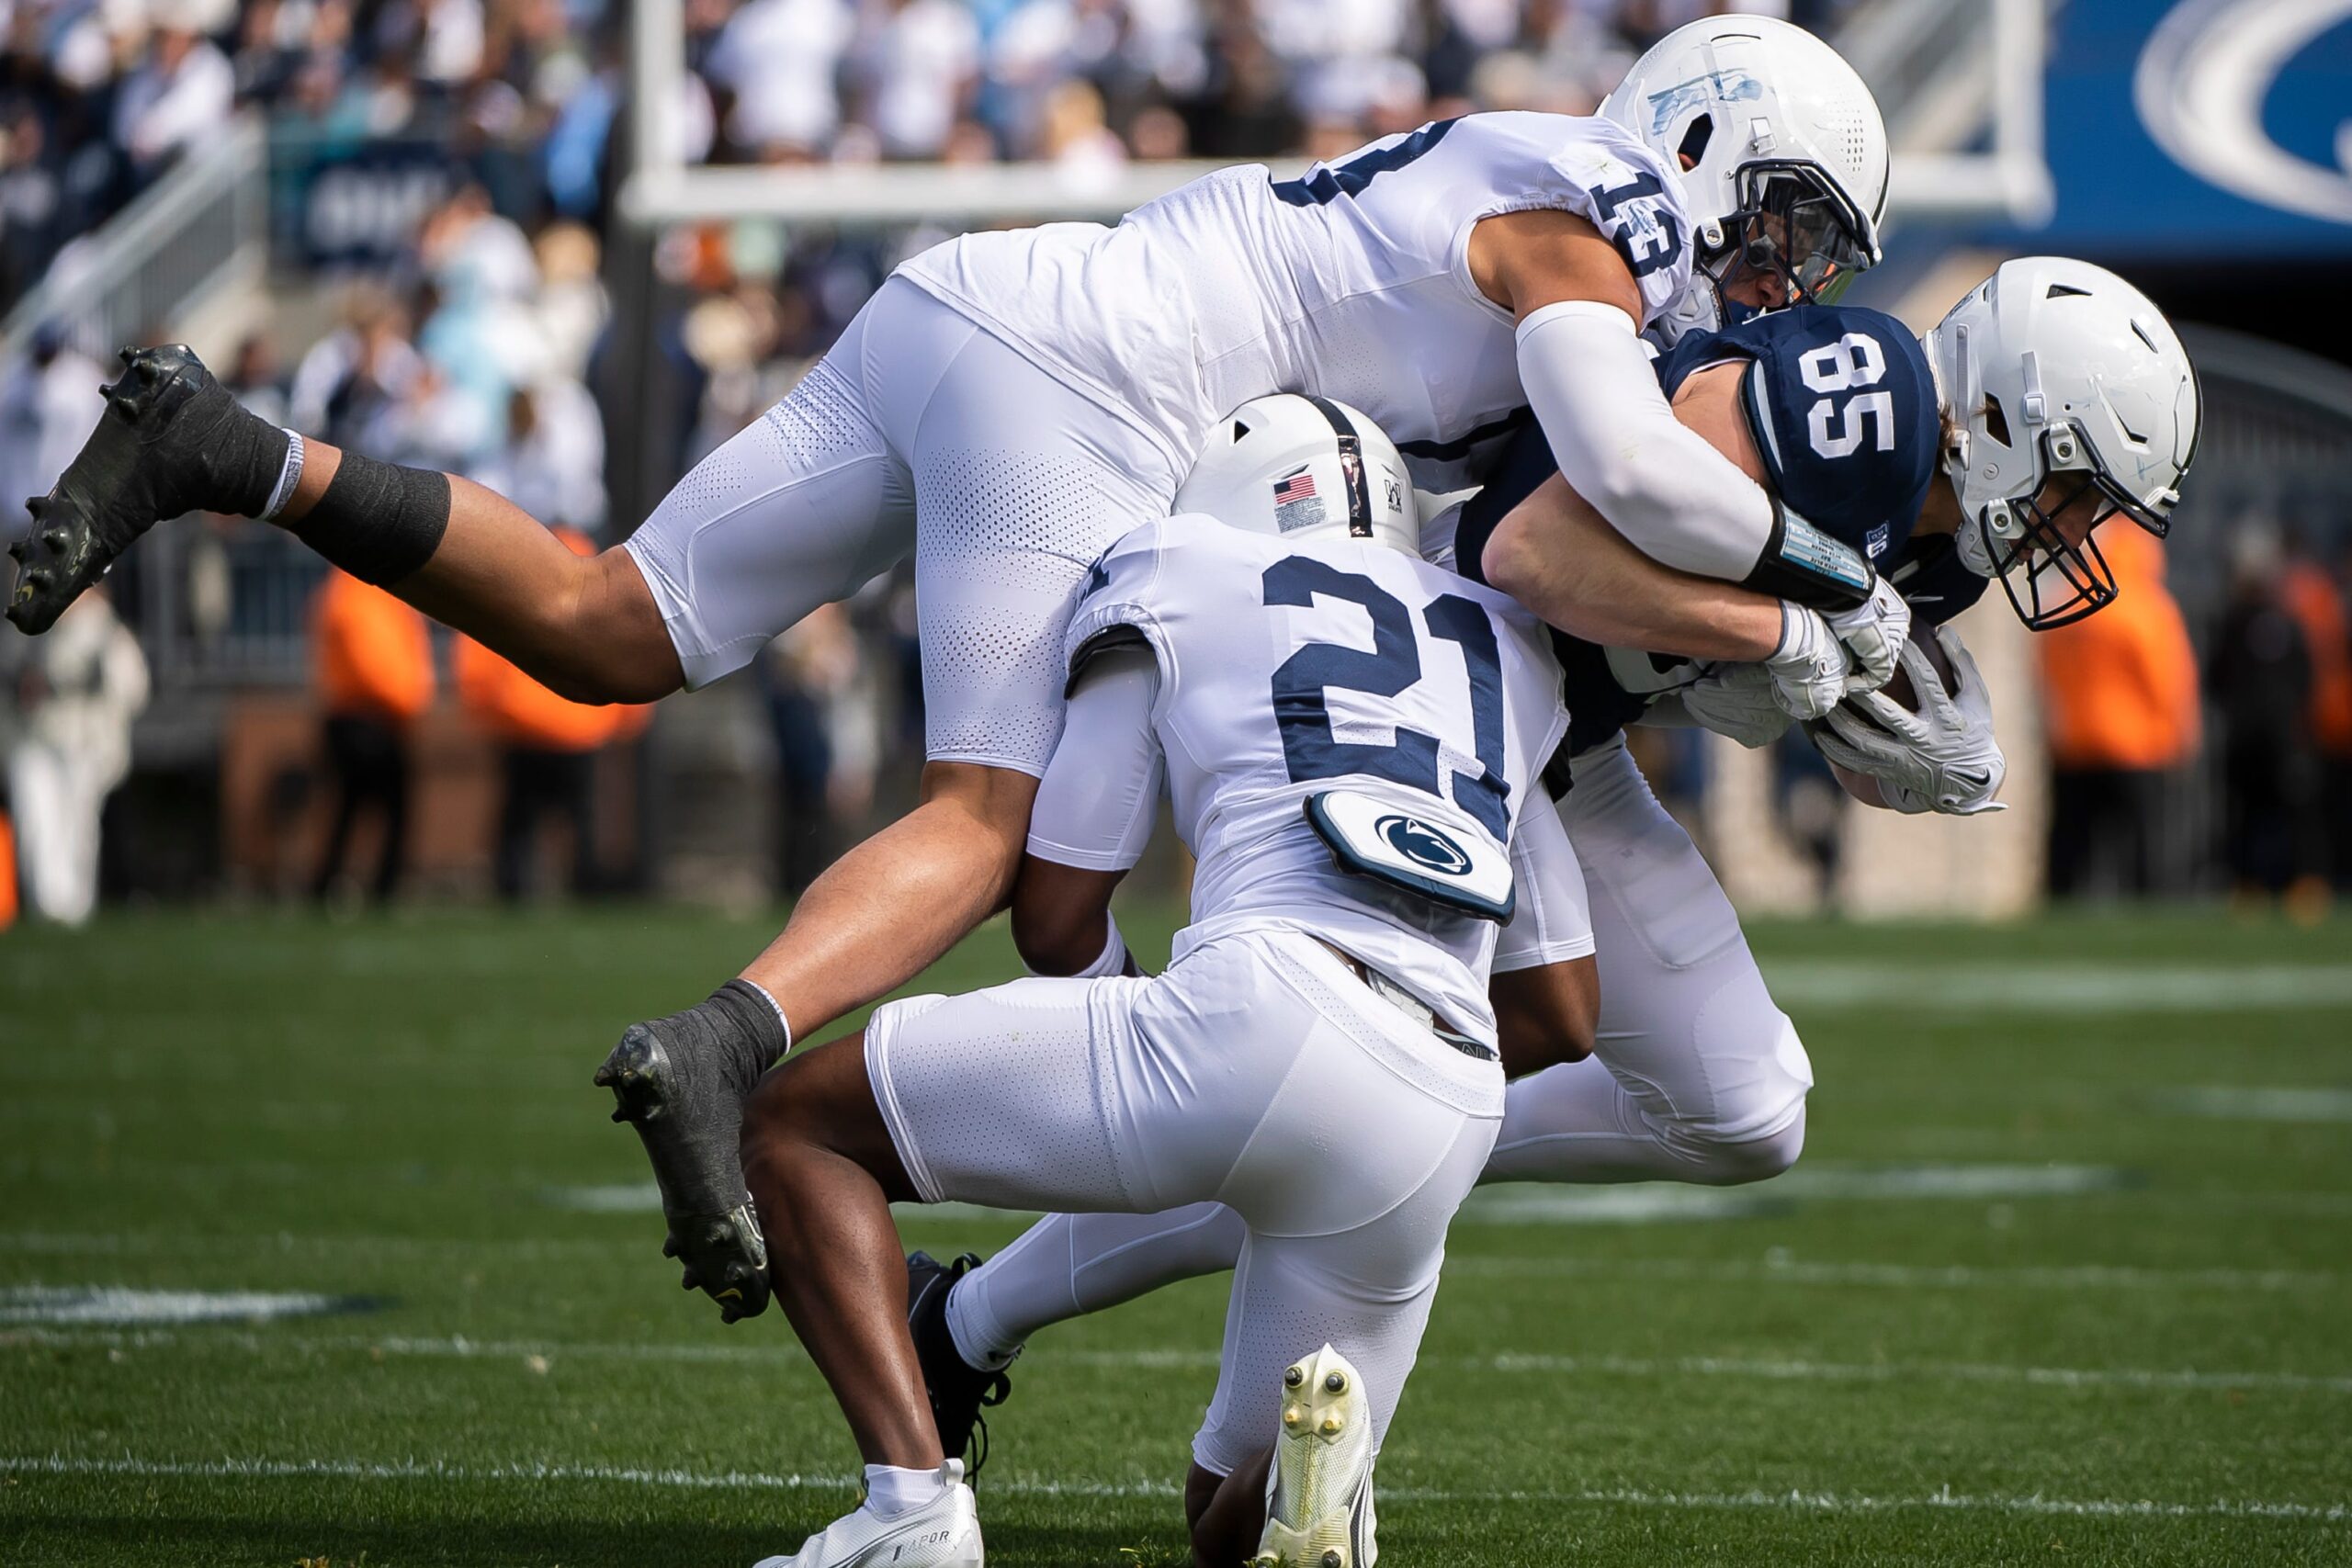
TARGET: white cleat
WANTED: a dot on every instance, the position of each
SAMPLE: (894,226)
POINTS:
(1319,1492)
(945,1533)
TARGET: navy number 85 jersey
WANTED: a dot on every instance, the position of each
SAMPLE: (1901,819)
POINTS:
(1843,411)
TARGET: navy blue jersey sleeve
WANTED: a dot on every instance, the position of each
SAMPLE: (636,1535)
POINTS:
(1932,578)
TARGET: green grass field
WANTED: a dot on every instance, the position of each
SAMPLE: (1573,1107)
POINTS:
(2065,1276)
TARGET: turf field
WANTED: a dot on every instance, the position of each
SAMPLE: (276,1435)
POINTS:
(2065,1276)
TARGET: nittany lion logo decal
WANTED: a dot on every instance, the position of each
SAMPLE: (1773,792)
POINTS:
(1425,846)
(1715,86)
(2200,87)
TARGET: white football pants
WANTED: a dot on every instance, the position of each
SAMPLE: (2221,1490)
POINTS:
(1696,1076)
(917,433)
(1258,1075)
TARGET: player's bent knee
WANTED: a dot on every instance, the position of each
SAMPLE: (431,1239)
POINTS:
(1757,1158)
(1759,1132)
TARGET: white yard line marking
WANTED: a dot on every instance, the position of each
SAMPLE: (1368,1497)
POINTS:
(2234,1102)
(1901,1275)
(645,1198)
(1771,1269)
(543,1352)
(1536,1203)
(1822,985)
(119,1305)
(1523,1203)
(735,1480)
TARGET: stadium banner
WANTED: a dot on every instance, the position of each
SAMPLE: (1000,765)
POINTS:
(341,206)
(2199,129)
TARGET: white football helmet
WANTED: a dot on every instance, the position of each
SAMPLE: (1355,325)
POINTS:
(1782,149)
(1300,467)
(2068,396)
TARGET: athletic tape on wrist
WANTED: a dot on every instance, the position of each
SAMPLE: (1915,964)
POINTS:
(377,521)
(290,475)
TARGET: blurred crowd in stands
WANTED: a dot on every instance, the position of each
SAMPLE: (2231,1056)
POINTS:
(98,97)
(482,343)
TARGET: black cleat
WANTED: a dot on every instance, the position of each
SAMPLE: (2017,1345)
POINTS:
(151,457)
(958,1390)
(690,1120)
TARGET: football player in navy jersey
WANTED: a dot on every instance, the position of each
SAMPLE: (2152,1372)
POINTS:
(1696,1075)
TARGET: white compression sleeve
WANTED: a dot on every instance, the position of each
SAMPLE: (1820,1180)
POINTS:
(1672,495)
(1096,803)
(1065,1266)
(1553,924)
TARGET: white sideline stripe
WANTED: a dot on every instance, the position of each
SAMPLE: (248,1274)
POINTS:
(540,1354)
(2238,1102)
(742,1481)
(1825,985)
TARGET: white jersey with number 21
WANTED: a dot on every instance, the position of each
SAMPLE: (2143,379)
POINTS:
(1288,669)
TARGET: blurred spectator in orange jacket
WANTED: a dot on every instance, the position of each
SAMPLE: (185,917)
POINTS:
(2310,594)
(373,659)
(2119,701)
(547,747)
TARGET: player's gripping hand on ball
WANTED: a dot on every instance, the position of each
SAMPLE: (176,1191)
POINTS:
(1873,632)
(1943,758)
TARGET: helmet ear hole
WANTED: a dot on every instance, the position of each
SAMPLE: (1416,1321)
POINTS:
(1694,141)
(1997,421)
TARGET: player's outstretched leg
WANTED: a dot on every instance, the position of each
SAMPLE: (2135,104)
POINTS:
(958,1390)
(1319,1495)
(172,440)
(682,1081)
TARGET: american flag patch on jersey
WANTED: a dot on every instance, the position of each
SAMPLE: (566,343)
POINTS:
(1296,505)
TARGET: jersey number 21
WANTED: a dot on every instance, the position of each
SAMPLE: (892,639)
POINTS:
(1393,663)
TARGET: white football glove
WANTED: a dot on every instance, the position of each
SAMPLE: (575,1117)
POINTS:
(1810,668)
(1737,700)
(1875,632)
(1942,759)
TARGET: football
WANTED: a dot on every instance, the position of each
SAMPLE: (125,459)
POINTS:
(1900,687)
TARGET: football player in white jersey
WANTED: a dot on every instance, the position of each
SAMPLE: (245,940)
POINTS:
(1351,738)
(2065,398)
(1010,403)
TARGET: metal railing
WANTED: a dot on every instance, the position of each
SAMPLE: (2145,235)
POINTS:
(203,226)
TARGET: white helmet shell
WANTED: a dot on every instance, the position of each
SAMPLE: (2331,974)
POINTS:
(1305,467)
(2054,366)
(1733,100)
